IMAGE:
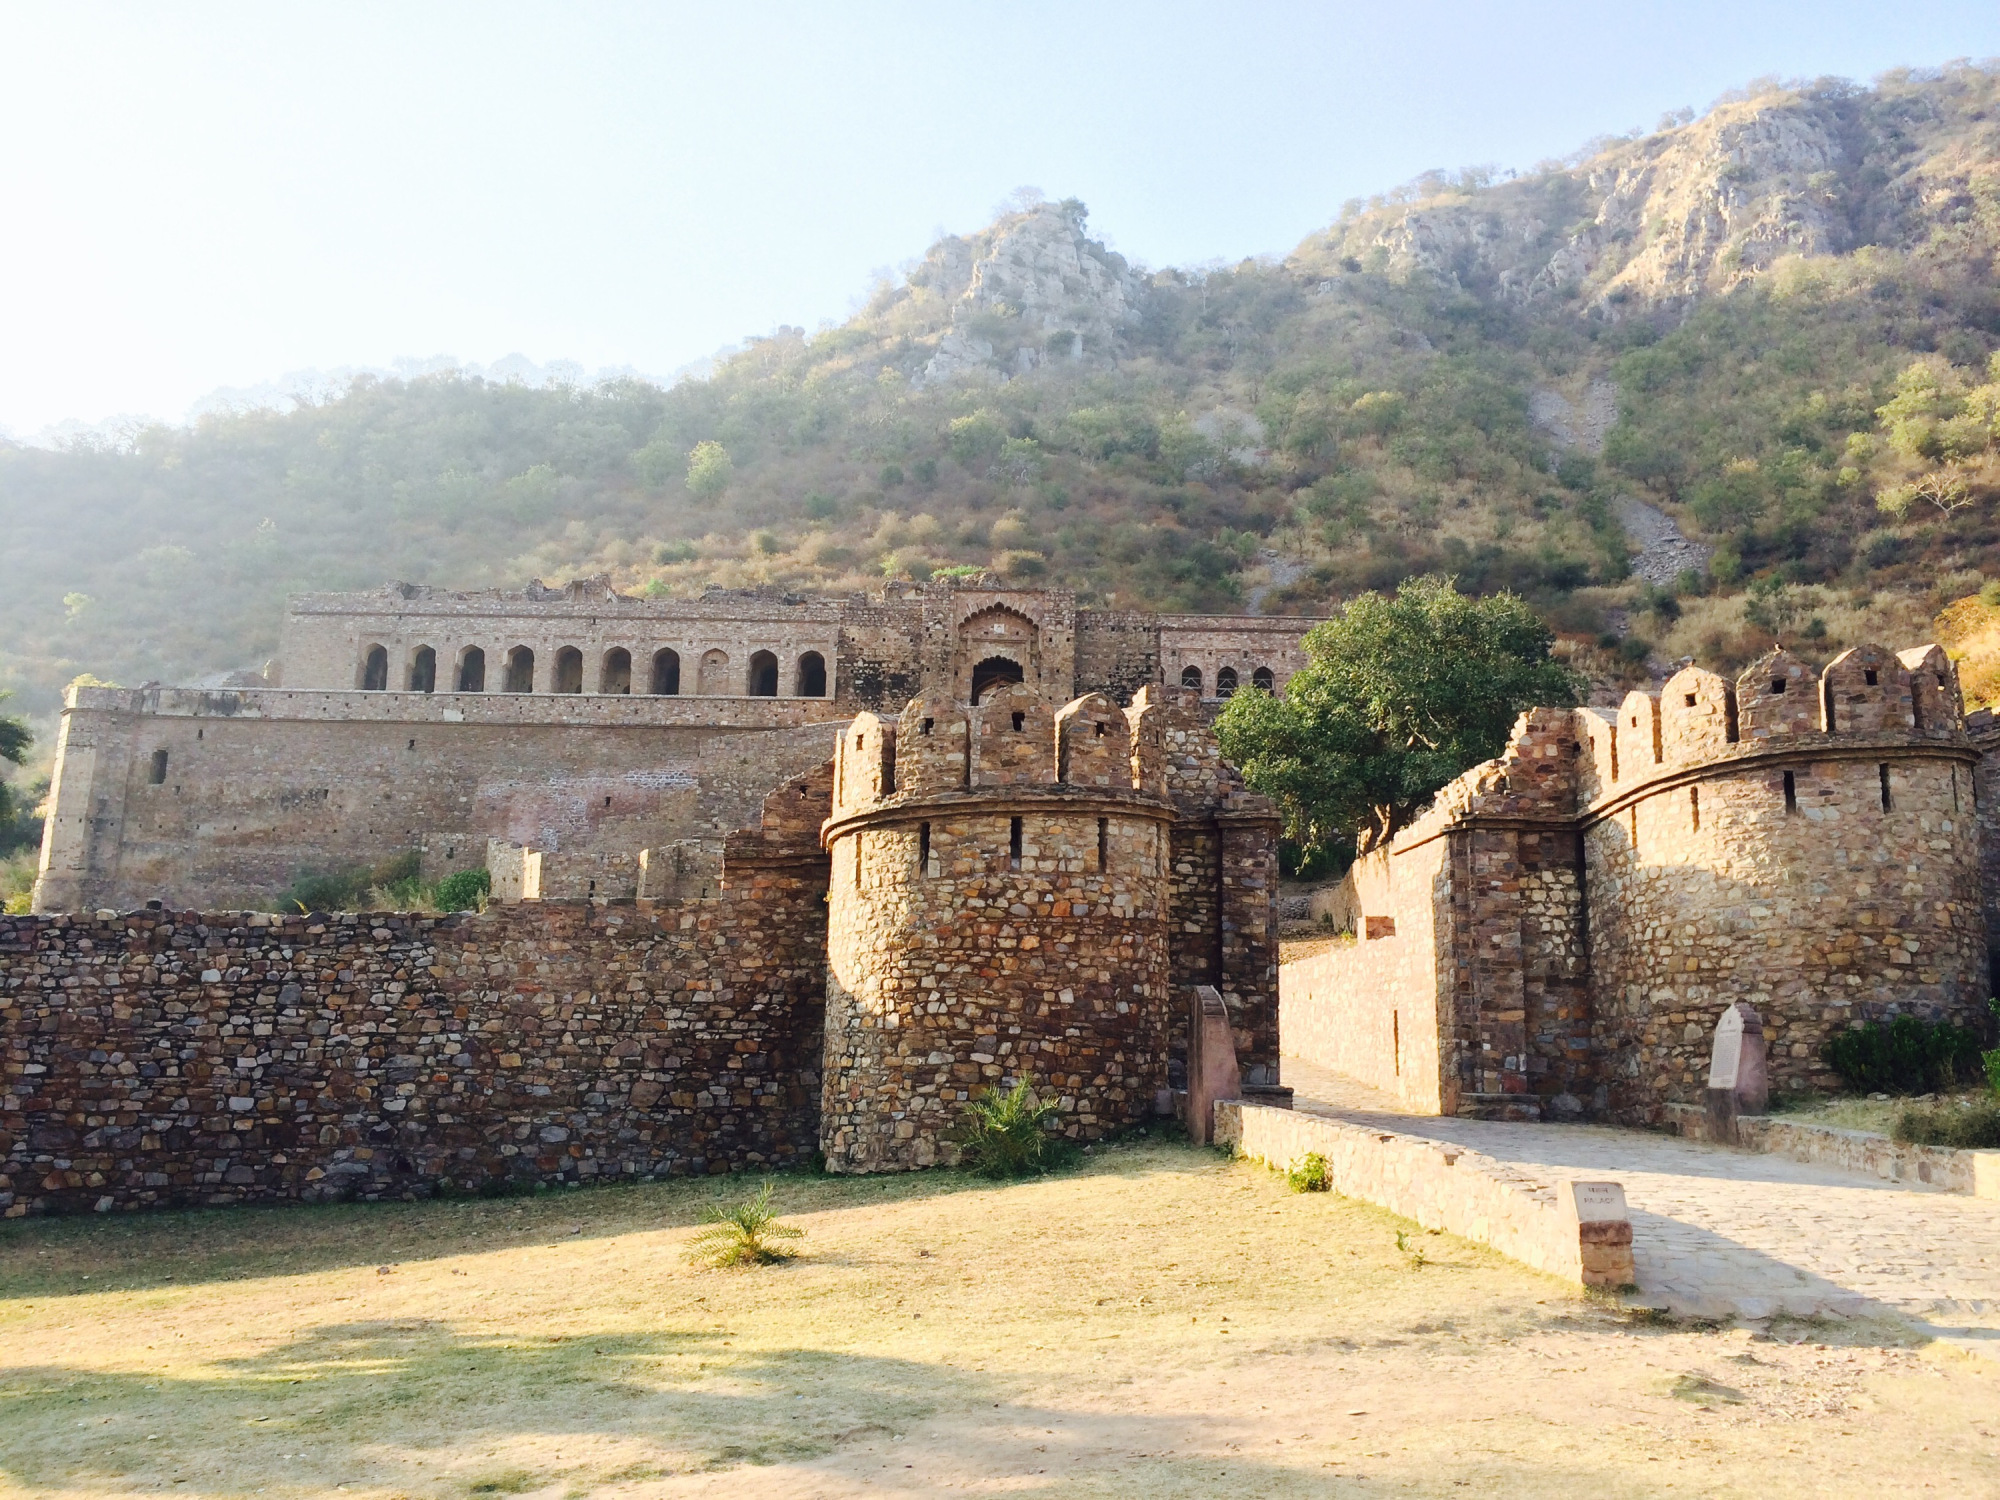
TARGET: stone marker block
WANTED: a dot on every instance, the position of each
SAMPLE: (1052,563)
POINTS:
(1985,1173)
(1212,1069)
(1737,1081)
(1603,1232)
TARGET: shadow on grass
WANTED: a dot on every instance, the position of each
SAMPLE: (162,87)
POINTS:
(417,1402)
(422,1409)
(139,1252)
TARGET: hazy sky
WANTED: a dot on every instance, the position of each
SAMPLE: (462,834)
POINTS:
(212,194)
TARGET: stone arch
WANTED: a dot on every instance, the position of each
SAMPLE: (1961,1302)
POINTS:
(615,674)
(1093,743)
(1225,683)
(1697,716)
(761,680)
(809,681)
(375,670)
(1264,678)
(471,676)
(1191,677)
(569,671)
(993,673)
(666,672)
(712,679)
(1777,694)
(1865,689)
(423,675)
(1000,633)
(932,745)
(520,670)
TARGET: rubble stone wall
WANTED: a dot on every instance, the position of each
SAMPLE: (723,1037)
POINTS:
(1817,844)
(171,1058)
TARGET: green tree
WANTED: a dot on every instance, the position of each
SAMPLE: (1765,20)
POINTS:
(1398,696)
(709,470)
(15,738)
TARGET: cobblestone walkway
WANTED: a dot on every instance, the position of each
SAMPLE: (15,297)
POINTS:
(1718,1232)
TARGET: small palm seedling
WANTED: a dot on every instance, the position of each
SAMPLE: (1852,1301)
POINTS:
(741,1234)
(1310,1174)
(1004,1135)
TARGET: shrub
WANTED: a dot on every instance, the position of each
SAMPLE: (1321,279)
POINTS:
(742,1233)
(1904,1056)
(464,890)
(1006,1135)
(1310,1174)
(1964,1127)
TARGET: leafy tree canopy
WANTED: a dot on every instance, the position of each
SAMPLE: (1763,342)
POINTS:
(1399,695)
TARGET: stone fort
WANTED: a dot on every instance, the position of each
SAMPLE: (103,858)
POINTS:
(964,862)
(607,744)
(1557,936)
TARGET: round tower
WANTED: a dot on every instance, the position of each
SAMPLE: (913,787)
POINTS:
(997,911)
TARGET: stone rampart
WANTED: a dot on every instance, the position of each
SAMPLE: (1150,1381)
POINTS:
(1807,842)
(222,799)
(167,1058)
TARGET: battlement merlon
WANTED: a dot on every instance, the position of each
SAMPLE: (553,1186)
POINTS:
(1575,766)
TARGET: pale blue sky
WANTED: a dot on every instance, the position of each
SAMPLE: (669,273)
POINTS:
(200,195)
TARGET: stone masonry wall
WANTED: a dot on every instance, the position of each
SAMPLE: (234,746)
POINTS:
(956,973)
(1835,912)
(177,1058)
(254,787)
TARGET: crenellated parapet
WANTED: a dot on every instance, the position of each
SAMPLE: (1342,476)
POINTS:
(1807,840)
(1016,892)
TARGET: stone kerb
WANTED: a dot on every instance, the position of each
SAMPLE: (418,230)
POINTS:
(1093,743)
(1697,716)
(1865,690)
(1578,1231)
(1777,695)
(1013,739)
(933,746)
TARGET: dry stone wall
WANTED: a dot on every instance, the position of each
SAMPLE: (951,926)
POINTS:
(167,1058)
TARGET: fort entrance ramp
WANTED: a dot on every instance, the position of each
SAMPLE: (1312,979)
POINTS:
(1721,1233)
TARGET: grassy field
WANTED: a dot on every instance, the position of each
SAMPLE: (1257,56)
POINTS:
(1159,1321)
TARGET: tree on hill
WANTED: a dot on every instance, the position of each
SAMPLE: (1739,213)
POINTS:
(15,738)
(1399,695)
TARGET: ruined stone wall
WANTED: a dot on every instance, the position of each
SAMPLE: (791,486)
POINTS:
(223,798)
(327,637)
(1613,883)
(1207,644)
(1828,913)
(177,1058)
(1117,652)
(976,974)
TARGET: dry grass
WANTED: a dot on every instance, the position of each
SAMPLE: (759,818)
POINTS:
(1158,1322)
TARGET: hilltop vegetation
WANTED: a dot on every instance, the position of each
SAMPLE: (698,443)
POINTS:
(1792,296)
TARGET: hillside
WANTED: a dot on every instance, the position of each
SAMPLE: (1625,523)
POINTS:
(1768,327)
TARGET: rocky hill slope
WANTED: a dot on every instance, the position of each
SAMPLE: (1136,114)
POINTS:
(1689,392)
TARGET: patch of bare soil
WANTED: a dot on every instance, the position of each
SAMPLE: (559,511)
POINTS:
(1160,1321)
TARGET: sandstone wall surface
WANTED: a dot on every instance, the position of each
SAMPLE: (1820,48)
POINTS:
(222,799)
(178,1058)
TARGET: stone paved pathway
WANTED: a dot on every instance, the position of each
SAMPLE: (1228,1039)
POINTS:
(1717,1232)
